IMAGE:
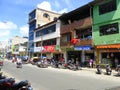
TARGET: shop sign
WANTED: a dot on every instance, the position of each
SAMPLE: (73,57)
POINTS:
(109,46)
(30,49)
(57,47)
(49,48)
(38,49)
(82,48)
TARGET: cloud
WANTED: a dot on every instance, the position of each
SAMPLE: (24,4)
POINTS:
(24,30)
(4,33)
(63,11)
(6,29)
(45,5)
(7,25)
(56,3)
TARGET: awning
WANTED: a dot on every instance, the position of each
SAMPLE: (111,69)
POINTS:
(109,46)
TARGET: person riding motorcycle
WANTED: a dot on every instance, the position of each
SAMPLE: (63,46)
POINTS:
(108,70)
(19,62)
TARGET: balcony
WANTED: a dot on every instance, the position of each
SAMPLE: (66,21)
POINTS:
(84,42)
(76,24)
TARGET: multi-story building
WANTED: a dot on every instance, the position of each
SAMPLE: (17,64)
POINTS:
(37,18)
(77,25)
(106,26)
(47,40)
(18,46)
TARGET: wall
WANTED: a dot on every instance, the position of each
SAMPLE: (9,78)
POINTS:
(104,19)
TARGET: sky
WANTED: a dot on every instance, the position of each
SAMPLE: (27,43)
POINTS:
(14,14)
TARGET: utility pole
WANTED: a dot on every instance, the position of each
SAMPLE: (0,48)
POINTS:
(41,44)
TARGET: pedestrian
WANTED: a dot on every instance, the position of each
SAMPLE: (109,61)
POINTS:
(91,63)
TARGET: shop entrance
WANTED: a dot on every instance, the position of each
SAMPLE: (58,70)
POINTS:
(110,58)
(57,56)
(74,55)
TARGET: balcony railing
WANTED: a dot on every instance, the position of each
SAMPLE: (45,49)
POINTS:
(82,42)
(76,24)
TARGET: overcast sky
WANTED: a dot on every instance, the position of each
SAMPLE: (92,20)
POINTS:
(14,14)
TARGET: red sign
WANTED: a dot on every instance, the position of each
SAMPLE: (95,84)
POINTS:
(49,48)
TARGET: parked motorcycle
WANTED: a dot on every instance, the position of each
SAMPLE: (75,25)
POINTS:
(118,70)
(108,70)
(22,85)
(9,84)
(42,64)
(99,70)
(6,84)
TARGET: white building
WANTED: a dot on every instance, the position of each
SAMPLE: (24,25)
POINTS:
(18,45)
(47,39)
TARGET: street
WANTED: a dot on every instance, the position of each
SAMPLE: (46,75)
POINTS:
(60,79)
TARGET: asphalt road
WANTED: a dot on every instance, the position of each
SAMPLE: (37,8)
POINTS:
(59,79)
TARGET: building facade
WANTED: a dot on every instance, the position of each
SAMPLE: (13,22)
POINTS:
(18,46)
(106,26)
(77,25)
(47,40)
(37,18)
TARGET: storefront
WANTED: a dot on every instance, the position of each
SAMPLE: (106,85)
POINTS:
(82,53)
(87,53)
(108,54)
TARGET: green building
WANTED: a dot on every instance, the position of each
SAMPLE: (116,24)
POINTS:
(106,31)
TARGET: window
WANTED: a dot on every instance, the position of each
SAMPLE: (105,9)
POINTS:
(66,38)
(32,15)
(46,15)
(84,34)
(109,29)
(47,30)
(107,7)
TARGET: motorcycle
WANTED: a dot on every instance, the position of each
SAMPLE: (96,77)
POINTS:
(118,70)
(22,85)
(9,84)
(99,70)
(19,65)
(108,70)
(6,84)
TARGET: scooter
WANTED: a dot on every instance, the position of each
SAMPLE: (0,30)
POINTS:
(19,64)
(108,70)
(99,70)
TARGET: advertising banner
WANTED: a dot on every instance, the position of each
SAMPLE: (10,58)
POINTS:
(51,48)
